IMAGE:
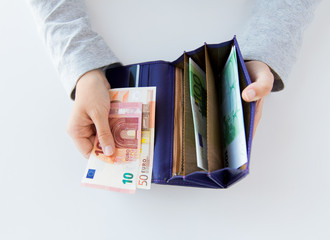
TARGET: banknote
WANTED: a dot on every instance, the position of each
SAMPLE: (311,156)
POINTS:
(235,154)
(146,95)
(119,171)
(198,94)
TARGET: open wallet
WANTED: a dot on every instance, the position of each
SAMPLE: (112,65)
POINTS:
(175,160)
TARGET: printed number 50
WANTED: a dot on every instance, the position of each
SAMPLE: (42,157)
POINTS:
(143,180)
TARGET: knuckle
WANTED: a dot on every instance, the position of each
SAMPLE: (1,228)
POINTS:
(269,88)
(99,112)
(266,88)
(103,135)
(95,113)
(73,131)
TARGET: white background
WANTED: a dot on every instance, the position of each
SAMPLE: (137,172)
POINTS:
(285,196)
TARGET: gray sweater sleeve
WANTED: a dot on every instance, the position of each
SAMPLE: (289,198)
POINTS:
(75,49)
(274,34)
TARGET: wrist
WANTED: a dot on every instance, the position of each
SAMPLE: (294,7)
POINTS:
(92,77)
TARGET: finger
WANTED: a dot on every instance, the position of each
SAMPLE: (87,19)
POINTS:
(81,129)
(84,146)
(258,114)
(262,79)
(83,143)
(92,139)
(104,134)
(257,90)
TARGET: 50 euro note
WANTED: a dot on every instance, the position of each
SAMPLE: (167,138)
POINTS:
(146,95)
(119,171)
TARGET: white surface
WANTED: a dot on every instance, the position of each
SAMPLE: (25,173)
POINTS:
(286,195)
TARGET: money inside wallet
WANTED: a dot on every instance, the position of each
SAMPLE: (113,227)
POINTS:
(209,128)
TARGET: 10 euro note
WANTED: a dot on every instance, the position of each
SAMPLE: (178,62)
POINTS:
(146,95)
(119,171)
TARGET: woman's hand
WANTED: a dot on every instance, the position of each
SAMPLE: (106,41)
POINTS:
(262,83)
(90,114)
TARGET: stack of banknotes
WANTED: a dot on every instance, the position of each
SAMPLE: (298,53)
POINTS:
(209,129)
(231,113)
(132,123)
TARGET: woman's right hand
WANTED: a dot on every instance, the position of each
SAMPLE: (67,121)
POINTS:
(90,114)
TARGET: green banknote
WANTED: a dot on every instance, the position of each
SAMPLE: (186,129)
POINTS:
(235,154)
(197,80)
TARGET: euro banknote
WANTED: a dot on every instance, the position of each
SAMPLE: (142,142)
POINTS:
(235,153)
(146,95)
(198,94)
(119,171)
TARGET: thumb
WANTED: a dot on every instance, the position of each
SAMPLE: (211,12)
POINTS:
(262,79)
(104,134)
(256,91)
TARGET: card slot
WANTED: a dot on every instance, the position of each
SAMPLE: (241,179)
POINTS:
(178,122)
(214,133)
(189,158)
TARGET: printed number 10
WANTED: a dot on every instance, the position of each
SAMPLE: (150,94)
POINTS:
(127,178)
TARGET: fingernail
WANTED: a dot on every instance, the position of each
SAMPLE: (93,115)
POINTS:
(107,150)
(250,94)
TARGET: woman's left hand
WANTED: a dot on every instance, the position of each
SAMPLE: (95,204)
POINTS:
(262,84)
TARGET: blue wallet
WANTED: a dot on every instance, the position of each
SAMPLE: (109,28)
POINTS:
(174,163)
